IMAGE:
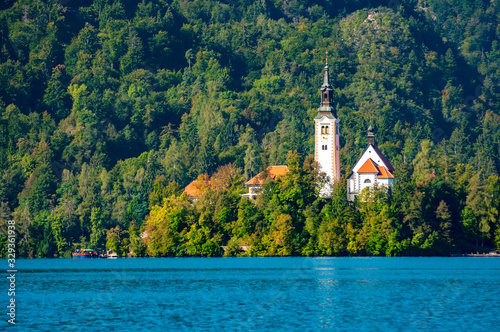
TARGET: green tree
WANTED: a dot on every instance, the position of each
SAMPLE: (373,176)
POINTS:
(97,231)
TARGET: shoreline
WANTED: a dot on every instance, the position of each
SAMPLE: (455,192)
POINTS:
(490,254)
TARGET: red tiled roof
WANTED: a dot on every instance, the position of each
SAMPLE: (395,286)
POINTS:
(384,173)
(198,186)
(272,171)
(369,167)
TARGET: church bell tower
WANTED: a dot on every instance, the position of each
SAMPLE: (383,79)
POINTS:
(326,133)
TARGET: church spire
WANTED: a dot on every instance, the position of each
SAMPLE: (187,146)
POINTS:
(370,136)
(326,105)
(326,80)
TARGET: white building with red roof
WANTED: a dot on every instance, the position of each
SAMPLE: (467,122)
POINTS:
(198,187)
(371,169)
(256,183)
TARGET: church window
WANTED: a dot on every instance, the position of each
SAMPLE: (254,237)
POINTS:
(368,181)
(326,96)
(327,131)
(322,129)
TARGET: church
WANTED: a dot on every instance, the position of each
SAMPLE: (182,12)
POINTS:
(371,169)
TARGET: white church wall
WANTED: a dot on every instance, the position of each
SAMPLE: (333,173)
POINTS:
(351,185)
(364,177)
(384,182)
(326,150)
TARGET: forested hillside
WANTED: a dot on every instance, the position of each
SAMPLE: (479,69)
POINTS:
(108,108)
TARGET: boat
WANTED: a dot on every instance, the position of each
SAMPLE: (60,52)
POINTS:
(85,253)
(112,255)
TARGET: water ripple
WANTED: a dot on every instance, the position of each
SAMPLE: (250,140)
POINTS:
(258,294)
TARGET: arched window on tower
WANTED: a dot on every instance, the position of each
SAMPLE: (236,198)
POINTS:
(327,130)
(368,181)
(322,129)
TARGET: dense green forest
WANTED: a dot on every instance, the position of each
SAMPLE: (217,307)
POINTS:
(109,108)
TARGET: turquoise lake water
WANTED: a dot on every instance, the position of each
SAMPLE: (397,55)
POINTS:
(257,294)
